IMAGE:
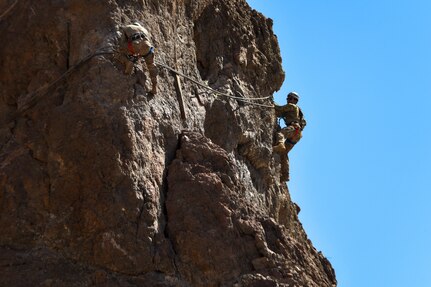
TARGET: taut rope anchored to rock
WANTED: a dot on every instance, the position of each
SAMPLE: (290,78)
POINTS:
(8,10)
(244,99)
(31,99)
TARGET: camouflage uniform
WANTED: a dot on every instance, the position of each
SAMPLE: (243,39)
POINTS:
(288,136)
(137,45)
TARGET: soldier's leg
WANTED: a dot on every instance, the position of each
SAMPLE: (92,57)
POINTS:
(279,144)
(149,60)
(123,60)
(289,145)
(141,78)
(292,138)
(282,135)
(128,67)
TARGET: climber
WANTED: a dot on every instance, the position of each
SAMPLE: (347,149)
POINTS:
(288,136)
(137,45)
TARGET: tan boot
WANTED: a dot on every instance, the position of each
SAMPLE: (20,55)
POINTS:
(280,148)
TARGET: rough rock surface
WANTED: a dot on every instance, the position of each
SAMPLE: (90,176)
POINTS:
(101,185)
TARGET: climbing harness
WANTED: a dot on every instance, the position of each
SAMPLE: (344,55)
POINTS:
(290,141)
(132,57)
(130,48)
(296,131)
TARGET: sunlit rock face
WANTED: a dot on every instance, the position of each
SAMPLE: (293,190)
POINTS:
(103,185)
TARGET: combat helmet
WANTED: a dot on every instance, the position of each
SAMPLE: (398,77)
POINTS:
(293,95)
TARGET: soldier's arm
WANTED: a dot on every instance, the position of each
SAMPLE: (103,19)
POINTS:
(303,122)
(278,110)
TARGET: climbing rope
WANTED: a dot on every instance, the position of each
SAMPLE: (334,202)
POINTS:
(244,99)
(8,9)
(31,99)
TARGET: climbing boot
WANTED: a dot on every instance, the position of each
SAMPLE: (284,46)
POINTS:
(280,148)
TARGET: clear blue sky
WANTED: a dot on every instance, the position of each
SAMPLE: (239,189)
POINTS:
(362,171)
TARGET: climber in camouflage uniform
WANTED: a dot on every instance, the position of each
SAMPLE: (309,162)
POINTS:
(137,45)
(288,136)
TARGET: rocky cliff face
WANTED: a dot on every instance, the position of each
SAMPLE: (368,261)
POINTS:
(101,185)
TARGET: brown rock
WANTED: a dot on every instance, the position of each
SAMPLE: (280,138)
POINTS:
(102,185)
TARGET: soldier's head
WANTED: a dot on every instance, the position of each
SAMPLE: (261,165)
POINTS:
(293,98)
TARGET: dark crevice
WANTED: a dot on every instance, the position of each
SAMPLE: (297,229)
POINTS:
(68,47)
(165,190)
(139,217)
